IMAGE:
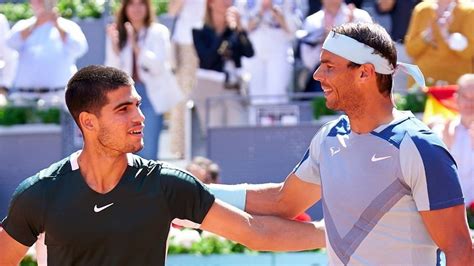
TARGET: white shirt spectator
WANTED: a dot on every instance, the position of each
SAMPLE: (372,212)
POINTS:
(316,23)
(8,56)
(191,16)
(154,66)
(45,60)
(462,150)
(272,40)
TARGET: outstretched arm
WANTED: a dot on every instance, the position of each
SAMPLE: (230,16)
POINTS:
(283,199)
(287,199)
(262,232)
(11,251)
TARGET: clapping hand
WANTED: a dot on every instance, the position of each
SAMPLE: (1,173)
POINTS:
(43,16)
(232,17)
(278,15)
(113,34)
(132,36)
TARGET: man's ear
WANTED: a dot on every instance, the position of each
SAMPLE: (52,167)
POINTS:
(366,71)
(88,121)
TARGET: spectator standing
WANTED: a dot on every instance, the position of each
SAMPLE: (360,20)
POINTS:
(318,25)
(48,47)
(188,14)
(440,39)
(8,58)
(141,47)
(271,26)
(458,134)
(220,45)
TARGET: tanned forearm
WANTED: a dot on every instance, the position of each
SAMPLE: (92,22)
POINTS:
(263,199)
(461,254)
(277,234)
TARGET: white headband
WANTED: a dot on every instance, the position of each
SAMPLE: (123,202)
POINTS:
(360,53)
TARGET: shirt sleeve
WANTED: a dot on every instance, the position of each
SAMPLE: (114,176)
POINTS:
(14,40)
(430,171)
(76,42)
(308,168)
(187,198)
(25,214)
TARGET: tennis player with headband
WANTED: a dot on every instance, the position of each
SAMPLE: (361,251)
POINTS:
(389,187)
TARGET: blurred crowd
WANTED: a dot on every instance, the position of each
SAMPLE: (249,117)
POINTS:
(230,57)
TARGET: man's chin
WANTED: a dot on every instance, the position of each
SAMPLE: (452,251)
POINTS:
(332,106)
(137,148)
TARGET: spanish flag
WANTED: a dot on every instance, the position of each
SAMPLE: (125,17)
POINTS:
(440,103)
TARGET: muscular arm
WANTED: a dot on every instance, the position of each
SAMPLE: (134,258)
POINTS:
(262,232)
(287,199)
(11,251)
(449,231)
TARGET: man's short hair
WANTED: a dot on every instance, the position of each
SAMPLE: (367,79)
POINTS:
(87,90)
(375,36)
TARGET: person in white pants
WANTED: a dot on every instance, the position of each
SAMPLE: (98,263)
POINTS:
(271,26)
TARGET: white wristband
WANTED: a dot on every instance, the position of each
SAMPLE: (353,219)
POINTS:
(235,195)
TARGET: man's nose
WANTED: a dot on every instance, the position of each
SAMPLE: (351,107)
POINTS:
(139,116)
(317,74)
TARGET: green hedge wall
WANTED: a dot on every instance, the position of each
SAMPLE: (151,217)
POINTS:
(73,8)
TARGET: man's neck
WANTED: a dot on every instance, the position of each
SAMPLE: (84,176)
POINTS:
(371,116)
(101,171)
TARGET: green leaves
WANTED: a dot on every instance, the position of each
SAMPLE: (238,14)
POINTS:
(319,107)
(90,9)
(413,101)
(470,215)
(160,6)
(189,241)
(66,8)
(14,115)
(15,12)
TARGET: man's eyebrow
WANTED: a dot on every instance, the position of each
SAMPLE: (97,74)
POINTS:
(325,61)
(127,103)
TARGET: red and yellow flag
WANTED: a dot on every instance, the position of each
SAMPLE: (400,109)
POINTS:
(440,103)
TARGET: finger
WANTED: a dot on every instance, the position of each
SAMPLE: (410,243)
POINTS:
(128,26)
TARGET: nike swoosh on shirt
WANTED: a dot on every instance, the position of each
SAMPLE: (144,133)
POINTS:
(99,209)
(376,159)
